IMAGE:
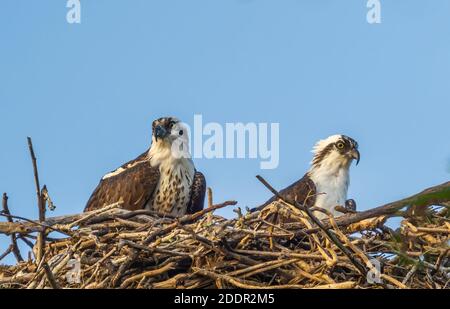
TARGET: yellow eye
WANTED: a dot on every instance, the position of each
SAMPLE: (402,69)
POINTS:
(340,145)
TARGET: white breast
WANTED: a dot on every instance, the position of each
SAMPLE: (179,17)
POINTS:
(332,186)
(172,194)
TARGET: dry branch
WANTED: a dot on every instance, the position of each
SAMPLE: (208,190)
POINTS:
(14,247)
(40,202)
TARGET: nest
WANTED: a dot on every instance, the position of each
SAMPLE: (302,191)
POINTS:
(281,246)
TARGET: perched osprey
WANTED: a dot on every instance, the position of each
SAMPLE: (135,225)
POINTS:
(162,179)
(328,178)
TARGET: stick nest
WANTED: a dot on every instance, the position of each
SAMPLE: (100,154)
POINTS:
(278,247)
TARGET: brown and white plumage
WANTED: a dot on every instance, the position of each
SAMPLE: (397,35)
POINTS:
(326,183)
(162,179)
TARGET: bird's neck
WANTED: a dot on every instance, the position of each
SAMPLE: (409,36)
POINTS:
(338,177)
(331,176)
(161,156)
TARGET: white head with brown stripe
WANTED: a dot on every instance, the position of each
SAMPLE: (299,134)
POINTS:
(330,170)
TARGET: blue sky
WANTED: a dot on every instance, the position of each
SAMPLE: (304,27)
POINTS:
(87,93)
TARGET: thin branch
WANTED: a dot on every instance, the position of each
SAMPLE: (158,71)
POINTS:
(210,197)
(5,254)
(186,219)
(40,200)
(50,277)
(25,228)
(435,195)
(15,247)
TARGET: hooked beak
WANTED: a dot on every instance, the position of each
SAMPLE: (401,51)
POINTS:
(160,132)
(355,155)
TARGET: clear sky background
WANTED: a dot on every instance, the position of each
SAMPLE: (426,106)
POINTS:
(87,93)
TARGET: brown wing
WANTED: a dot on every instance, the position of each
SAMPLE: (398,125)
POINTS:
(298,190)
(198,190)
(133,183)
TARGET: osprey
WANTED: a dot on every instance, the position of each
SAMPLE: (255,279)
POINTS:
(326,183)
(162,179)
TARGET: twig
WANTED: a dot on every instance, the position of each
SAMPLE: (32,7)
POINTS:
(185,219)
(5,254)
(409,274)
(333,286)
(241,284)
(41,206)
(94,213)
(436,195)
(152,250)
(150,273)
(50,277)
(21,228)
(210,203)
(210,197)
(15,247)
(23,238)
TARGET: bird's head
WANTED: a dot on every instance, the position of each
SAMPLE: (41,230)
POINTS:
(171,134)
(168,129)
(338,150)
